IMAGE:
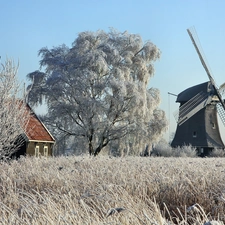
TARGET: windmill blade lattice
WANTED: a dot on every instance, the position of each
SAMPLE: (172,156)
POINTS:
(191,107)
(221,112)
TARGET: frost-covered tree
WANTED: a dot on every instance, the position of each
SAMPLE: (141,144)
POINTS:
(13,114)
(97,90)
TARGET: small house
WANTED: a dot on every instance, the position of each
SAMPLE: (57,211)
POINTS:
(38,141)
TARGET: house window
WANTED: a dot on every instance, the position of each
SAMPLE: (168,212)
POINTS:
(213,126)
(46,151)
(36,151)
(194,134)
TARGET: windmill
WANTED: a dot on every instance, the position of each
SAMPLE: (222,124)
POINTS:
(197,122)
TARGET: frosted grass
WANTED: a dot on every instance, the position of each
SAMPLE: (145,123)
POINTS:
(103,190)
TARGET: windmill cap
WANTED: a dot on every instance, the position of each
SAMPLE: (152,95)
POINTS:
(189,93)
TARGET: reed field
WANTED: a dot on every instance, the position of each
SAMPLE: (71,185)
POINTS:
(112,191)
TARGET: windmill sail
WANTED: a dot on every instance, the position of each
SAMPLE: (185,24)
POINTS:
(191,107)
(201,55)
(203,61)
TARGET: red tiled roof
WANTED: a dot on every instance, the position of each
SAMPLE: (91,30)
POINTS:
(35,130)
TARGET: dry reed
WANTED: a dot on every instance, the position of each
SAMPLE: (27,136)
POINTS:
(103,190)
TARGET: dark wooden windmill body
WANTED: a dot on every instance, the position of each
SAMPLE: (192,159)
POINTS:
(197,122)
(201,130)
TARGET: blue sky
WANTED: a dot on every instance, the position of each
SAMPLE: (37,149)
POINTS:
(28,25)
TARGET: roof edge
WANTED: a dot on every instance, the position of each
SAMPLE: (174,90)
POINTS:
(41,123)
(41,141)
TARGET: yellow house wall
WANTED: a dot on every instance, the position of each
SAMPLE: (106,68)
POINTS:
(31,148)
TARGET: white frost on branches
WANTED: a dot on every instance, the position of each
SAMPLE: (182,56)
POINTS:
(97,90)
(13,113)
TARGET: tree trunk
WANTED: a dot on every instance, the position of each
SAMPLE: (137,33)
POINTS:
(101,146)
(97,150)
(91,150)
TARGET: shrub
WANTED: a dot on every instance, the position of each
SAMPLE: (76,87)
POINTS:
(165,150)
(217,152)
(162,149)
(185,151)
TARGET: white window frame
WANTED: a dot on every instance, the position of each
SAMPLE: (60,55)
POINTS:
(45,150)
(37,151)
